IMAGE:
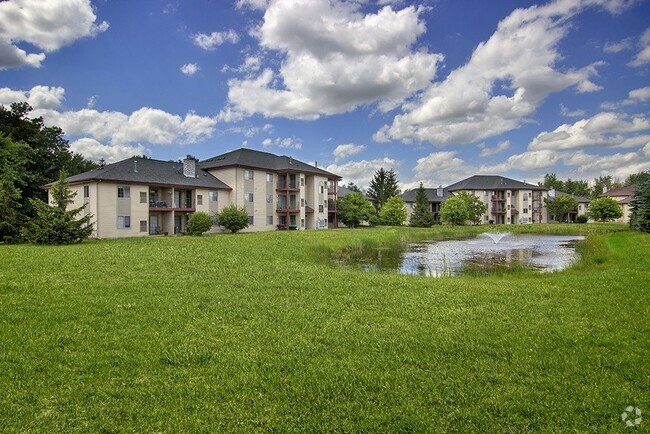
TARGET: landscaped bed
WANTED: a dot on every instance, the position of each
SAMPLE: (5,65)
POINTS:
(260,332)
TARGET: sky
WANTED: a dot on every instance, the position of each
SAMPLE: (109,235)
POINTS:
(437,90)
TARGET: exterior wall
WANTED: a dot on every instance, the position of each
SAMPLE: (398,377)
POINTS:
(316,197)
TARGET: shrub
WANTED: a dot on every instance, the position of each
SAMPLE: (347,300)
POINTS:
(198,223)
(233,219)
(454,211)
(582,219)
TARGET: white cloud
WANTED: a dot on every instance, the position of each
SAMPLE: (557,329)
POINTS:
(347,150)
(506,79)
(251,64)
(285,143)
(643,56)
(641,94)
(440,168)
(335,59)
(190,68)
(570,113)
(94,150)
(267,128)
(486,151)
(252,4)
(617,47)
(39,97)
(46,25)
(362,172)
(606,129)
(214,39)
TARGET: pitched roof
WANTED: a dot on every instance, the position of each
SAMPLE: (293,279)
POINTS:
(262,160)
(432,195)
(492,182)
(623,191)
(580,199)
(147,171)
(343,191)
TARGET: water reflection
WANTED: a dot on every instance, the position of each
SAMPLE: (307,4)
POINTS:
(484,254)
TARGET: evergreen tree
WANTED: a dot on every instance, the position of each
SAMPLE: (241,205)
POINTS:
(353,187)
(383,186)
(422,216)
(56,224)
(640,218)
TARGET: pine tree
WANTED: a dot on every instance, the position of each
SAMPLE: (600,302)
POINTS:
(640,218)
(383,186)
(422,216)
(56,224)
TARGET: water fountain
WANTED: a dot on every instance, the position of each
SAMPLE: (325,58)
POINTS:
(496,236)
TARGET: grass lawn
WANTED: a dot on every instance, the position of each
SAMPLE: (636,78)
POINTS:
(260,332)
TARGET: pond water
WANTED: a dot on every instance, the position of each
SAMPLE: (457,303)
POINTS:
(485,254)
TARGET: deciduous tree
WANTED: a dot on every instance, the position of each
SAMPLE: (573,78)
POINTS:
(604,209)
(560,207)
(353,208)
(393,213)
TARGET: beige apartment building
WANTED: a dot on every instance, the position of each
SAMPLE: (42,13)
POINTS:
(142,196)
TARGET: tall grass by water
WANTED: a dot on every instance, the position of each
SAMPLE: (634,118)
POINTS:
(260,332)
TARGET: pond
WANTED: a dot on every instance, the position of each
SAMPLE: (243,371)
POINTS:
(485,254)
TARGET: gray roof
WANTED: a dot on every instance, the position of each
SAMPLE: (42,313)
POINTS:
(343,191)
(140,170)
(580,199)
(262,160)
(491,182)
(432,195)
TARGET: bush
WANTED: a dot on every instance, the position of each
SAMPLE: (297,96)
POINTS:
(233,219)
(198,223)
(582,219)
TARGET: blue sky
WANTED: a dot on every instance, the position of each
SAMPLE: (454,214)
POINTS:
(437,90)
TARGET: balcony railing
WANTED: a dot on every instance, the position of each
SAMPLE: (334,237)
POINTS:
(287,186)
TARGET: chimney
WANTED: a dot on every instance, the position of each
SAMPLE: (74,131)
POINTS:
(439,191)
(189,167)
(135,166)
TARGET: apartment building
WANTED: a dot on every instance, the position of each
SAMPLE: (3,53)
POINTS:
(142,197)
(508,201)
(623,196)
(583,206)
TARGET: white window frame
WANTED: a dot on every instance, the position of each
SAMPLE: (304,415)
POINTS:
(126,222)
(126,191)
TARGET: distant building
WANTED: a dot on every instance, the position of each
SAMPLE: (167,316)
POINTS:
(435,197)
(583,205)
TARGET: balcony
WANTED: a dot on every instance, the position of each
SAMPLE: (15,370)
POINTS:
(496,198)
(498,211)
(163,206)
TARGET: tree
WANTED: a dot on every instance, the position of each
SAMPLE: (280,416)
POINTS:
(383,186)
(11,218)
(604,209)
(454,211)
(393,213)
(634,178)
(42,153)
(551,182)
(200,222)
(233,219)
(353,208)
(640,218)
(560,207)
(421,217)
(577,187)
(475,207)
(56,224)
(601,182)
(353,187)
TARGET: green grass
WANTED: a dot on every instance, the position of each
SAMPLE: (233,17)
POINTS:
(260,332)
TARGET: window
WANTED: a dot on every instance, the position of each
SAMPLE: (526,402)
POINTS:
(269,198)
(269,219)
(269,177)
(248,174)
(199,199)
(250,220)
(322,190)
(302,223)
(508,194)
(248,197)
(320,208)
(525,197)
(143,197)
(302,182)
(411,205)
(214,196)
(143,226)
(302,203)
(86,191)
(525,210)
(123,191)
(123,221)
(579,207)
